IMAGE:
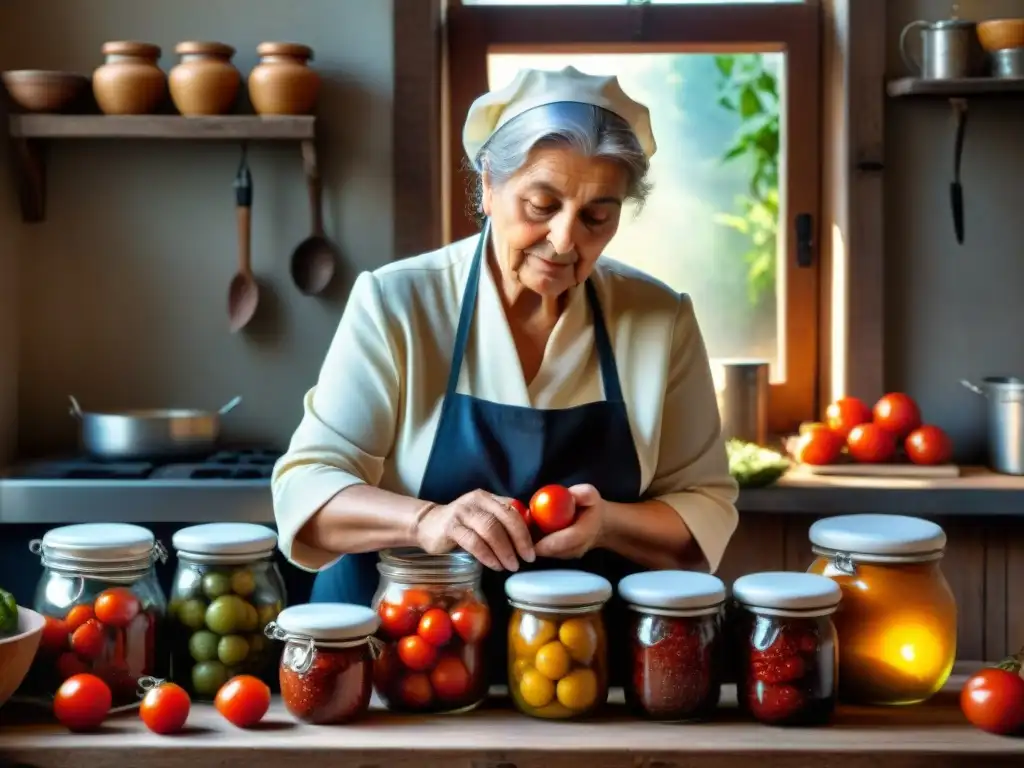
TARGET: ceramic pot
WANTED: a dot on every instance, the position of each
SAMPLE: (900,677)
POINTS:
(282,83)
(129,82)
(205,82)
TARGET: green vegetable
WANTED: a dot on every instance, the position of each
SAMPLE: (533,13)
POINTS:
(753,466)
(8,614)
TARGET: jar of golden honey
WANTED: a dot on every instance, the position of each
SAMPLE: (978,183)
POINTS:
(557,647)
(897,620)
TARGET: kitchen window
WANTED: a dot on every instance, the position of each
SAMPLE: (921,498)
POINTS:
(733,89)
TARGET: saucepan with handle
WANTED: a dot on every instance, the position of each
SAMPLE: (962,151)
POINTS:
(152,433)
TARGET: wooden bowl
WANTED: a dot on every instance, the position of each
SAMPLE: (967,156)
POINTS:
(40,90)
(18,651)
(999,34)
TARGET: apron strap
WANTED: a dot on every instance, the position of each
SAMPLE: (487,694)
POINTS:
(605,355)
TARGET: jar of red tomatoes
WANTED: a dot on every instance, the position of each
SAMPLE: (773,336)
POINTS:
(326,669)
(786,643)
(103,608)
(434,621)
(227,588)
(557,646)
(897,623)
(675,643)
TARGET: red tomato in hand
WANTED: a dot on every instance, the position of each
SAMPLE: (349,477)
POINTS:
(243,700)
(117,606)
(818,446)
(897,413)
(928,445)
(552,508)
(993,700)
(88,640)
(871,444)
(416,653)
(845,414)
(472,621)
(522,509)
(82,702)
(435,627)
(450,679)
(165,708)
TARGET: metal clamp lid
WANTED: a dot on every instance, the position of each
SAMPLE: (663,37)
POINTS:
(301,660)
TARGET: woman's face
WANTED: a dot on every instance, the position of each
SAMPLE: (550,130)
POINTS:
(552,220)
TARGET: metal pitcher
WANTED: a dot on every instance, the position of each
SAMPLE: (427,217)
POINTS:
(949,49)
(1005,396)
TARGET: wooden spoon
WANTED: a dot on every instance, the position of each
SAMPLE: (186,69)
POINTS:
(244,293)
(313,260)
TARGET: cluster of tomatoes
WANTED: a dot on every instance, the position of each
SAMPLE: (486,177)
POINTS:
(873,435)
(83,702)
(551,509)
(433,649)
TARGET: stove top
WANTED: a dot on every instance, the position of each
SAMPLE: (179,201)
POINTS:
(228,464)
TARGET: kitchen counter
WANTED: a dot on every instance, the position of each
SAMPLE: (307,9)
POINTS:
(933,735)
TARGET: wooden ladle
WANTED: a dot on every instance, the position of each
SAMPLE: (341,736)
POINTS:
(313,260)
(244,292)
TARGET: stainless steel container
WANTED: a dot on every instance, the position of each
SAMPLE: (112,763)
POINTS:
(1005,396)
(1008,63)
(743,400)
(949,49)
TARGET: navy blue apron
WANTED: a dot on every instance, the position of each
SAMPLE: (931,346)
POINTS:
(512,450)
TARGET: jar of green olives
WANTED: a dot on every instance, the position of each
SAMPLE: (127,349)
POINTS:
(227,588)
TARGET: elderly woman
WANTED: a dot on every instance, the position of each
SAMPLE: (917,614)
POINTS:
(462,379)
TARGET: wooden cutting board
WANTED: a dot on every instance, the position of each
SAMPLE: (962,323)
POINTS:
(852,469)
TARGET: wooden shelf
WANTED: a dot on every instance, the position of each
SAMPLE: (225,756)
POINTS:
(956,89)
(30,134)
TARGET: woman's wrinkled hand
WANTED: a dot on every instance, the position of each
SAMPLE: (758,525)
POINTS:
(482,524)
(585,532)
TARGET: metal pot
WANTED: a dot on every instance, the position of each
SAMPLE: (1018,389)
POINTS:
(1005,396)
(150,433)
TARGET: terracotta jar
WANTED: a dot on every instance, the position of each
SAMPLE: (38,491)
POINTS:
(129,82)
(205,82)
(282,83)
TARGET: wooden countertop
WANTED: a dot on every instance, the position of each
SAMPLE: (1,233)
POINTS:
(934,734)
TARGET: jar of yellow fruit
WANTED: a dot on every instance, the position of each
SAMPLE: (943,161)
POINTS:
(557,652)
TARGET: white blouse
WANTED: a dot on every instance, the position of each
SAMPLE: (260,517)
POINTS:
(372,416)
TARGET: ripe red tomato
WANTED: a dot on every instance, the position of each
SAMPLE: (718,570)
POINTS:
(897,413)
(417,599)
(552,508)
(414,690)
(818,446)
(165,708)
(117,606)
(243,700)
(522,509)
(928,445)
(416,653)
(435,627)
(450,679)
(871,444)
(69,665)
(472,621)
(77,616)
(82,702)
(397,620)
(845,414)
(55,636)
(993,700)
(88,640)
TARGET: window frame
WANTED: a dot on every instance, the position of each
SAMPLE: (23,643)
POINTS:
(473,31)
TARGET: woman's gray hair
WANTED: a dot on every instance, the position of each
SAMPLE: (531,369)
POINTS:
(587,129)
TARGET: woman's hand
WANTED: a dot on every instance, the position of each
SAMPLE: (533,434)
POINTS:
(585,532)
(484,525)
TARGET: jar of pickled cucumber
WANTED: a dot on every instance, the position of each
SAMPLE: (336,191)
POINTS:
(557,647)
(226,590)
(103,607)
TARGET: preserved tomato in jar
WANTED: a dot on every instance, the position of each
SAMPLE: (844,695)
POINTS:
(434,620)
(227,589)
(897,623)
(326,669)
(557,647)
(786,643)
(103,608)
(675,643)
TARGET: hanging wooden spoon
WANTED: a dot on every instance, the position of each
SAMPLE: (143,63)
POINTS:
(244,292)
(313,260)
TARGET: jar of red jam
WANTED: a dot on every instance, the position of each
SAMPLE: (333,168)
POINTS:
(326,666)
(787,661)
(434,620)
(674,635)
